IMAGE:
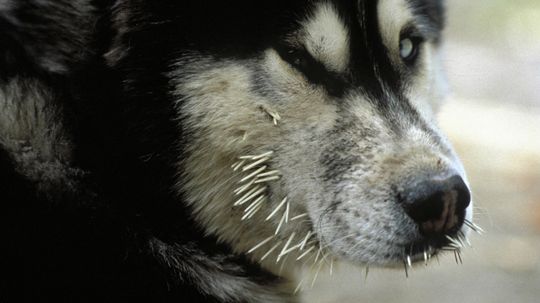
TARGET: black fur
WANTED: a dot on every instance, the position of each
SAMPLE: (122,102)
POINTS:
(116,231)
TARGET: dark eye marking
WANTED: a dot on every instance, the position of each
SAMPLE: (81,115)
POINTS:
(314,71)
(299,58)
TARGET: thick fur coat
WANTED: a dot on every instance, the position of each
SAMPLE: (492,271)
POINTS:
(120,122)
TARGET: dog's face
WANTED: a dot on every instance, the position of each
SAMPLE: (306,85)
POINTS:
(335,113)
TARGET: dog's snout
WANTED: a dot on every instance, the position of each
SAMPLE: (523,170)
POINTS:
(438,205)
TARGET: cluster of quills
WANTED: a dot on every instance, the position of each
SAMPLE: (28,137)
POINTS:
(455,245)
(251,195)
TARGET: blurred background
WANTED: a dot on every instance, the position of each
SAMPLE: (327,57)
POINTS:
(493,120)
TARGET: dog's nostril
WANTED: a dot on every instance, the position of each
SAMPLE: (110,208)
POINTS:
(438,206)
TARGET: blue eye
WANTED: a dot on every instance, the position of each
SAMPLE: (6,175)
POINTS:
(408,49)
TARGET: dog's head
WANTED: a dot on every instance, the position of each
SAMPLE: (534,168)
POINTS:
(311,131)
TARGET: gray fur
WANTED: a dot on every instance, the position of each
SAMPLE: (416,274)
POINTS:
(339,161)
(31,131)
(343,161)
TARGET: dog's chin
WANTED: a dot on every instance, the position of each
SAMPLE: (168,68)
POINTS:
(412,260)
(397,261)
(420,251)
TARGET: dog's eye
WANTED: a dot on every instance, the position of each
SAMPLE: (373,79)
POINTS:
(314,71)
(408,49)
(297,58)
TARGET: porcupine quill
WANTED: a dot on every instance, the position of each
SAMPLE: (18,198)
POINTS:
(253,190)
(251,194)
(455,245)
(254,186)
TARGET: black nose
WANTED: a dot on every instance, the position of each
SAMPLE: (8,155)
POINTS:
(438,205)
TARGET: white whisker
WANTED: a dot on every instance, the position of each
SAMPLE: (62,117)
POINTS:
(474,227)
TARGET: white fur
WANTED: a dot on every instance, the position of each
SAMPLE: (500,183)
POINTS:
(230,117)
(236,124)
(327,38)
(393,16)
(428,88)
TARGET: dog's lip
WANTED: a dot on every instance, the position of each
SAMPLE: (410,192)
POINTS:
(419,247)
(431,246)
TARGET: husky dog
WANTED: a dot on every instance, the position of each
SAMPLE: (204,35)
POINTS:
(219,151)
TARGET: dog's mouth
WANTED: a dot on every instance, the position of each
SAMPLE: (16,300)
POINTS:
(454,238)
(423,250)
(436,213)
